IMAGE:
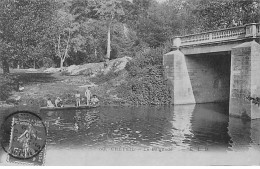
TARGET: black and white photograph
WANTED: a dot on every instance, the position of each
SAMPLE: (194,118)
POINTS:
(129,83)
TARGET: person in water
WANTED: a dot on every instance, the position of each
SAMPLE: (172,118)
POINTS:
(49,103)
(88,95)
(94,100)
(77,96)
(58,102)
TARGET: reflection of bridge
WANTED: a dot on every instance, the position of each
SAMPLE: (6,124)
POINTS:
(217,66)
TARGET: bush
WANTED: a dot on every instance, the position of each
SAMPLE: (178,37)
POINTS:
(146,84)
(47,62)
(7,84)
(149,89)
(86,72)
(102,78)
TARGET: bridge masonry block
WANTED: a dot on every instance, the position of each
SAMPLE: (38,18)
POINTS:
(245,80)
(176,72)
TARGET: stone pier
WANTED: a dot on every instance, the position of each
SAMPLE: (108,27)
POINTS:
(176,72)
(245,80)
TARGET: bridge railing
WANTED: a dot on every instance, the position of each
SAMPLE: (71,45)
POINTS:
(235,33)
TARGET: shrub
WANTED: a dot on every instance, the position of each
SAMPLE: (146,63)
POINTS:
(146,84)
(86,72)
(47,62)
(149,89)
(7,84)
(102,78)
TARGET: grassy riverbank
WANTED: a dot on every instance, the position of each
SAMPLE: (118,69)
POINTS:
(40,85)
(124,81)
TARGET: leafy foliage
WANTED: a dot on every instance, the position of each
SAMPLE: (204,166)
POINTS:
(23,25)
(102,78)
(44,33)
(7,84)
(226,13)
(146,83)
(69,31)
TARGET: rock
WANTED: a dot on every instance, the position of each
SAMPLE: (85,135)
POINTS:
(91,69)
(52,70)
(121,63)
(32,70)
(72,68)
(87,69)
(117,64)
(86,72)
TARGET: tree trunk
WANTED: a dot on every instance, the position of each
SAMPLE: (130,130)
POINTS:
(61,63)
(108,42)
(5,66)
(95,52)
(34,64)
(62,58)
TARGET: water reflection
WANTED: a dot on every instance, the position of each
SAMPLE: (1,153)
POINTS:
(202,127)
(181,127)
(255,134)
(244,134)
(210,127)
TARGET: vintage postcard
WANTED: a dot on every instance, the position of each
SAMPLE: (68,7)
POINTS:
(129,82)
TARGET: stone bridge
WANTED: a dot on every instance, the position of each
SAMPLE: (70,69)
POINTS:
(217,66)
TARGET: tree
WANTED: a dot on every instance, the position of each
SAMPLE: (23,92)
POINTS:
(61,33)
(6,29)
(226,13)
(155,23)
(5,51)
(110,11)
(23,25)
(89,38)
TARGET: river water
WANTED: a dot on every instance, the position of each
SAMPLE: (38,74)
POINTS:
(184,128)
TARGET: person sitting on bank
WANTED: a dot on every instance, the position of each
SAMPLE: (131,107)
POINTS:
(77,96)
(49,103)
(88,95)
(94,100)
(58,102)
(21,88)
